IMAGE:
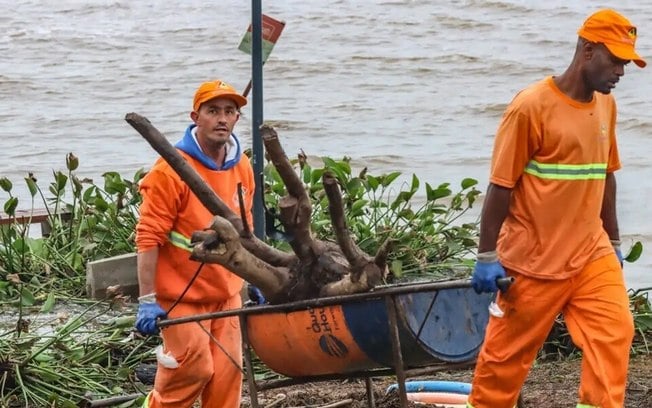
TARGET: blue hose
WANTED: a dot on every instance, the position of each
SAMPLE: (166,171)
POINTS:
(434,386)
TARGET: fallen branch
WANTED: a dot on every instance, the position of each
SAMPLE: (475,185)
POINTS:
(204,193)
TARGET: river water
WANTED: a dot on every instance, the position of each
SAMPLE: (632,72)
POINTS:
(406,85)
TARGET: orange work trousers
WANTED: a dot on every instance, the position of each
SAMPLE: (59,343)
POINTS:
(595,306)
(209,365)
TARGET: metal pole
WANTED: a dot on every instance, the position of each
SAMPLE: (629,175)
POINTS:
(396,350)
(371,400)
(257,114)
(246,348)
(320,302)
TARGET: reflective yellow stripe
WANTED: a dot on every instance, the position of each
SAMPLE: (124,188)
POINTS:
(586,406)
(146,402)
(468,405)
(180,241)
(557,171)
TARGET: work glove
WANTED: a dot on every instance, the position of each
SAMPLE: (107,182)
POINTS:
(616,244)
(149,311)
(487,270)
(255,295)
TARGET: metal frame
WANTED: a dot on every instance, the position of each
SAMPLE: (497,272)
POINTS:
(388,294)
(402,373)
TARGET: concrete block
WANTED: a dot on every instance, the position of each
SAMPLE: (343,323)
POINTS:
(118,270)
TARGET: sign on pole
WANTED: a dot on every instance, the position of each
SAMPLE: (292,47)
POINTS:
(271,31)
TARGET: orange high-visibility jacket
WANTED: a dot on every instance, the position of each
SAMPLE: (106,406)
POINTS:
(170,213)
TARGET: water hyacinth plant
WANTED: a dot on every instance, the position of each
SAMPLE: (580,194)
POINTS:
(70,359)
(427,238)
(82,356)
(86,222)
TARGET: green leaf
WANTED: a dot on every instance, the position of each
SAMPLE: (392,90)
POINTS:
(113,183)
(402,198)
(469,182)
(5,184)
(355,187)
(49,303)
(358,206)
(10,206)
(61,180)
(396,267)
(337,173)
(44,357)
(321,223)
(123,321)
(415,183)
(372,182)
(89,194)
(101,204)
(643,322)
(316,176)
(328,162)
(26,297)
(440,192)
(139,174)
(635,252)
(31,185)
(388,179)
(20,246)
(76,186)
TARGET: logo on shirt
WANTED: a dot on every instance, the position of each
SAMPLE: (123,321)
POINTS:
(603,132)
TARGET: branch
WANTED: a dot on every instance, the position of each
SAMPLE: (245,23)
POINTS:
(221,244)
(295,210)
(204,193)
(246,230)
(346,286)
(280,161)
(336,209)
(301,237)
(381,255)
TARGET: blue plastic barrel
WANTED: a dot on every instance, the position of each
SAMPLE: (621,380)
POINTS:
(440,326)
(444,325)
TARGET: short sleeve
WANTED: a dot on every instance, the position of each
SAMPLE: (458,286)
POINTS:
(517,139)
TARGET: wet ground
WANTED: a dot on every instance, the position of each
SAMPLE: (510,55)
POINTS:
(551,384)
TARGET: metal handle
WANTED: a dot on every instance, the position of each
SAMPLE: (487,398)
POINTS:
(504,283)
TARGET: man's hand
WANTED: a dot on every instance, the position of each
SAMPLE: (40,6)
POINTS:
(487,270)
(255,295)
(149,311)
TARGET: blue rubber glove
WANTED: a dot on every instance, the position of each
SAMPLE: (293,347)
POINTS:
(255,295)
(616,244)
(487,270)
(149,311)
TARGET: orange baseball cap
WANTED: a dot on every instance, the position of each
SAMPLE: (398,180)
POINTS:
(610,28)
(217,89)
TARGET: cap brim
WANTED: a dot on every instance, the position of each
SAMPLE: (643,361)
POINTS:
(238,99)
(626,53)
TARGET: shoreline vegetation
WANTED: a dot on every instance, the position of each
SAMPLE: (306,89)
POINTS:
(59,349)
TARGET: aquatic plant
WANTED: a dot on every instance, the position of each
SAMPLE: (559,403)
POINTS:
(84,222)
(83,356)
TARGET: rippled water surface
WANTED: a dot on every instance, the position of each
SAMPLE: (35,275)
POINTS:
(409,85)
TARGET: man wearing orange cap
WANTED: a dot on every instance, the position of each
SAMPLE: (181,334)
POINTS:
(549,220)
(201,359)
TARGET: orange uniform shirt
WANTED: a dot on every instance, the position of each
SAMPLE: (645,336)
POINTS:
(554,153)
(170,213)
